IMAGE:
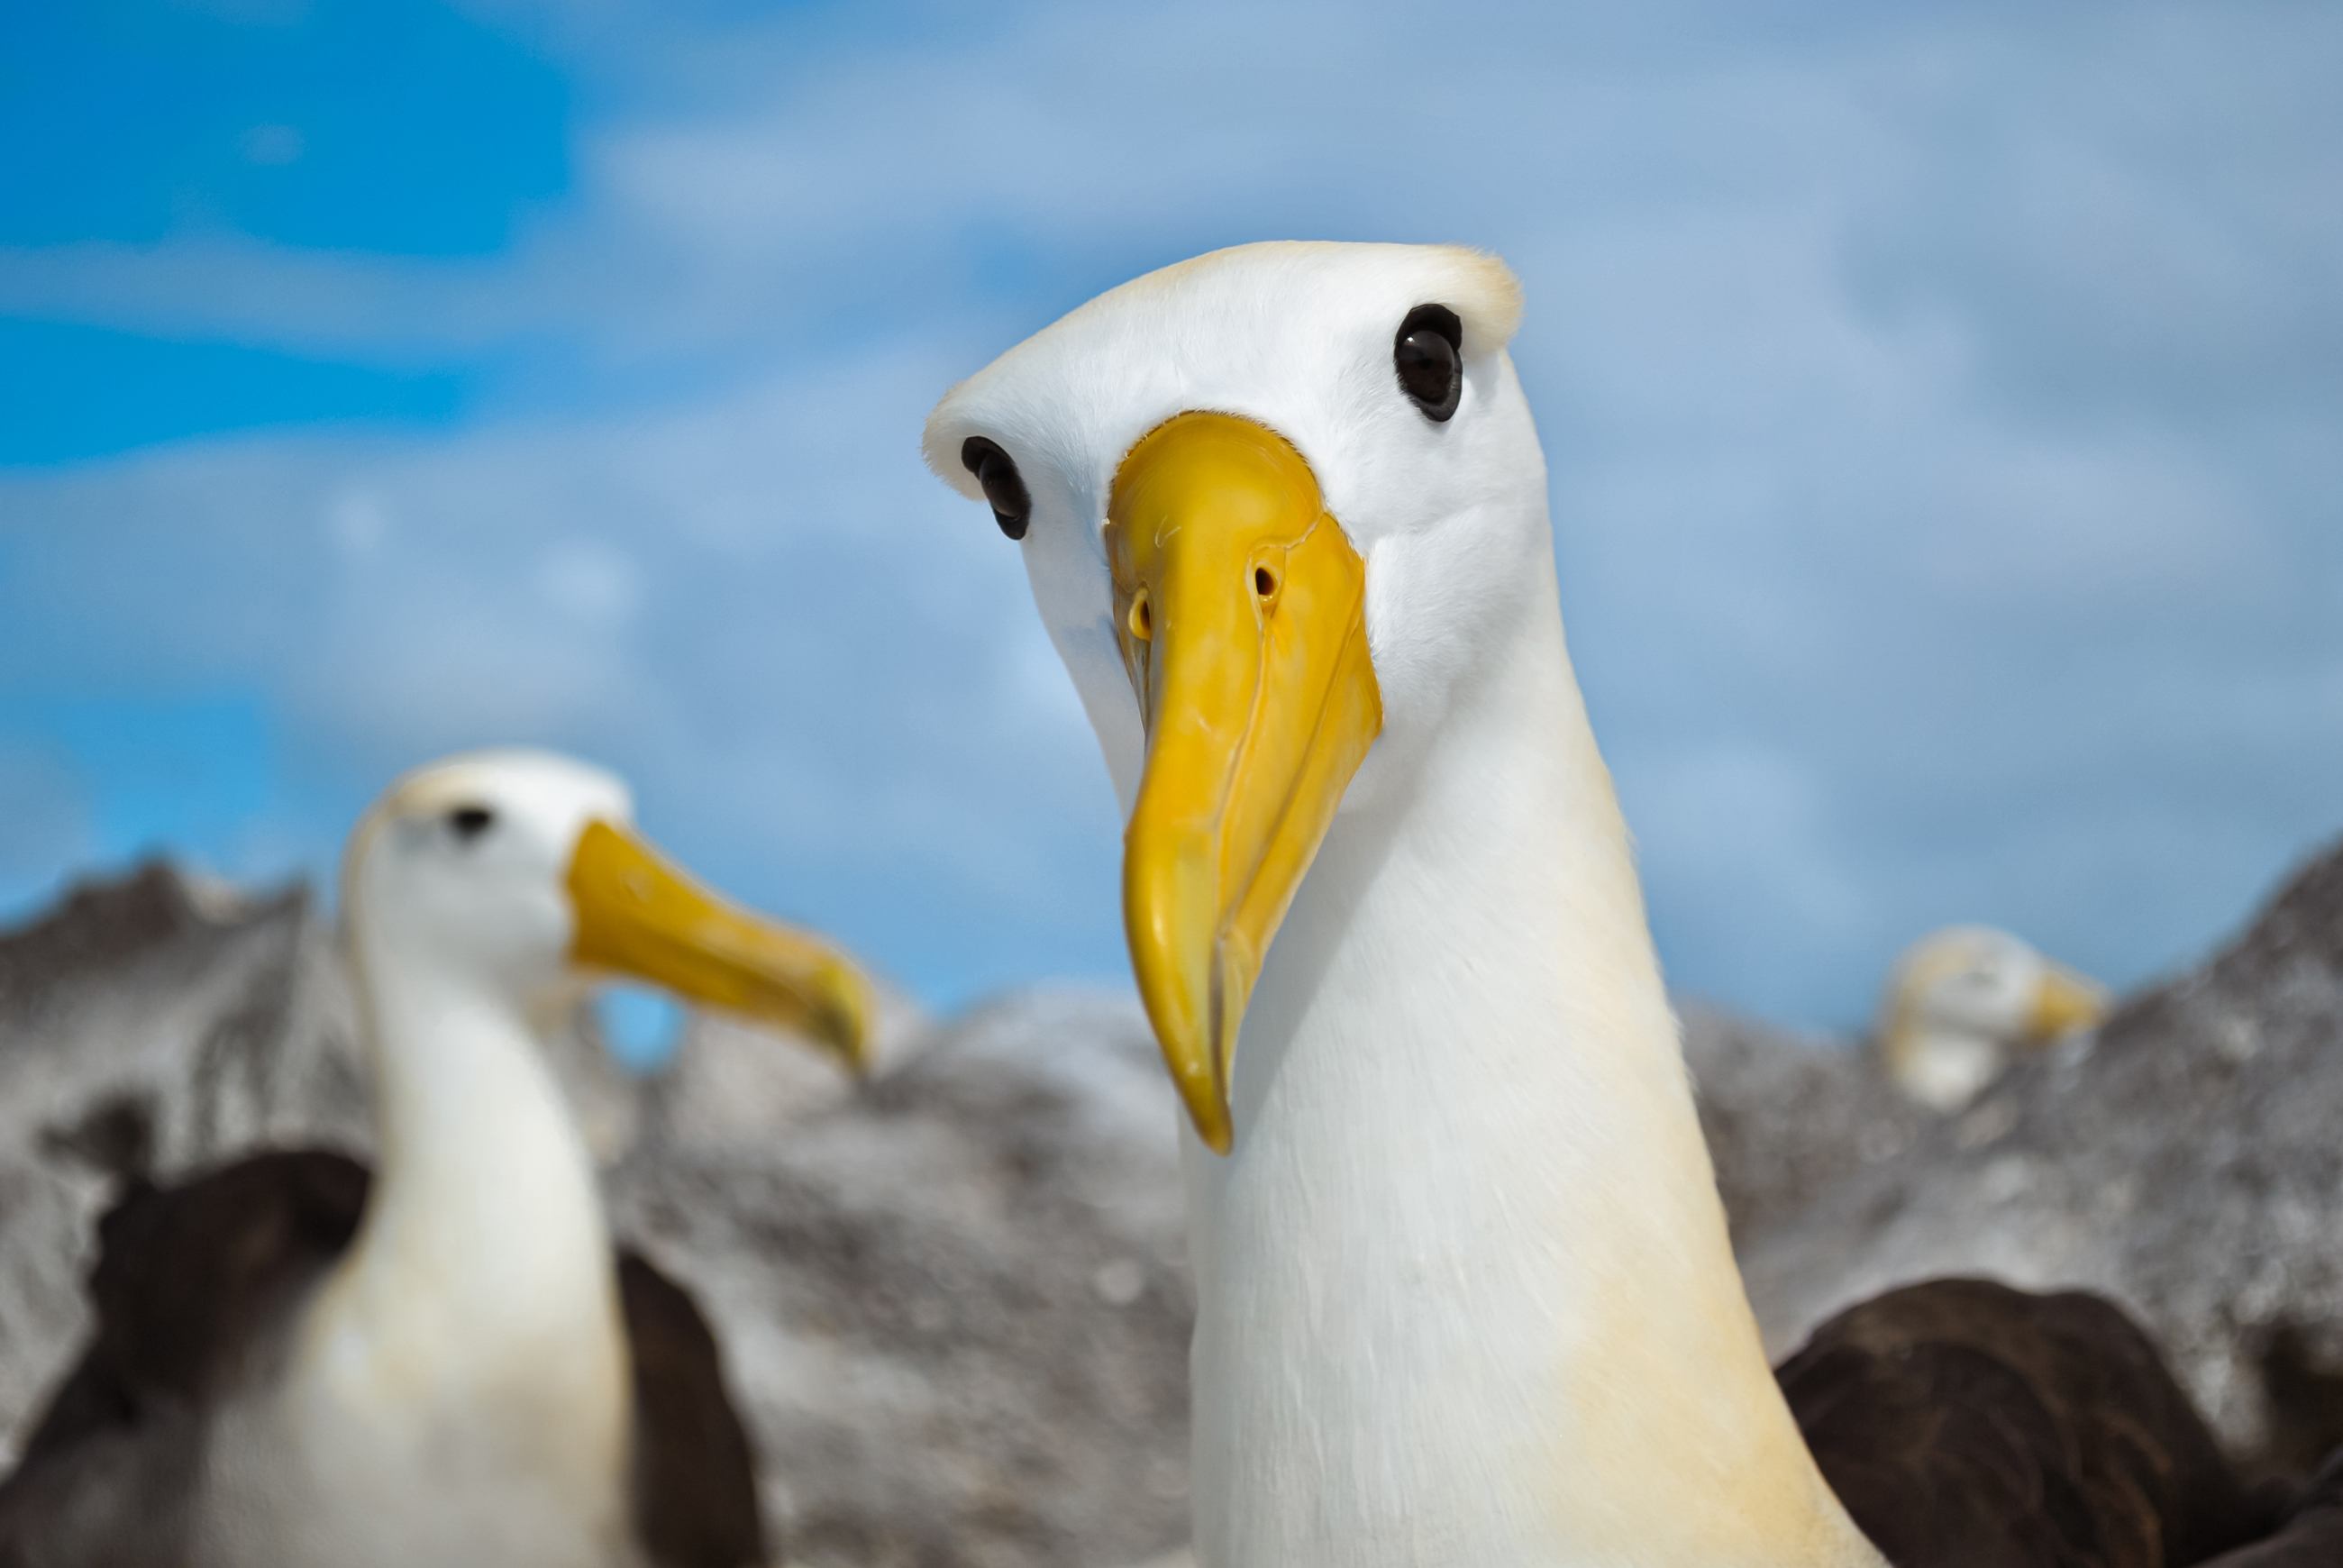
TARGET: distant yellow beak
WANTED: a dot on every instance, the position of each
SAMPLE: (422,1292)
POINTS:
(2065,1001)
(640,915)
(1241,613)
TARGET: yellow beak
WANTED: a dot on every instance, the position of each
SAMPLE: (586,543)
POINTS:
(1241,613)
(640,915)
(2065,1001)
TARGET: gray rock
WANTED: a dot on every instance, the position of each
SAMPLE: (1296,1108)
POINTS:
(2185,1160)
(151,1025)
(956,1303)
(1789,1117)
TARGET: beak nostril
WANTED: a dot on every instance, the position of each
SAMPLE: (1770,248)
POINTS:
(1264,581)
(1142,618)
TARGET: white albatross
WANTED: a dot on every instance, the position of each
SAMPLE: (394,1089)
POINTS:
(1464,1295)
(1963,1002)
(448,1365)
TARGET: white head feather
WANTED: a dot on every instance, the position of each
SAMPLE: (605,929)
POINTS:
(1297,337)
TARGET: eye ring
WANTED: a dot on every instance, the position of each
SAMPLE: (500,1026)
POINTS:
(1004,486)
(1428,354)
(468,822)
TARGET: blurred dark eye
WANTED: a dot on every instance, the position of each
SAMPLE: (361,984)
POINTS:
(1004,489)
(468,822)
(1429,356)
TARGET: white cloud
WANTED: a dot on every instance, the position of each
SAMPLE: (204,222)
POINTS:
(588,582)
(47,823)
(359,522)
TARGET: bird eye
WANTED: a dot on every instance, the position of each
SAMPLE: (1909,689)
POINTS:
(1428,354)
(1004,489)
(468,822)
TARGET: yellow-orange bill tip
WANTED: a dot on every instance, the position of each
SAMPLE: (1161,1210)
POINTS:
(638,914)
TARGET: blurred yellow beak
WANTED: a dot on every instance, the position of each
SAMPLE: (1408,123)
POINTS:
(2065,1001)
(640,915)
(1241,613)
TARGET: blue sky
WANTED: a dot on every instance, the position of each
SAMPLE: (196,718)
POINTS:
(1941,402)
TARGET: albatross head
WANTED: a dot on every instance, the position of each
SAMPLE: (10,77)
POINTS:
(1962,999)
(1274,503)
(519,875)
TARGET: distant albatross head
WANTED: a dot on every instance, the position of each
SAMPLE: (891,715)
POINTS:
(1962,1002)
(1276,503)
(515,877)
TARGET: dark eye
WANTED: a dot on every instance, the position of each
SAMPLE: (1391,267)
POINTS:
(468,822)
(1428,354)
(997,472)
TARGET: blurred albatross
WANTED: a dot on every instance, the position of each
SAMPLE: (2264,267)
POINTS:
(1962,1002)
(446,1366)
(1463,1290)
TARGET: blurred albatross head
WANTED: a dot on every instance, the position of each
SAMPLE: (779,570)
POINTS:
(519,877)
(1963,1001)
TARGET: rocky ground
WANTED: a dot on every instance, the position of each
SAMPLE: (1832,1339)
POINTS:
(2185,1160)
(1789,1117)
(954,1299)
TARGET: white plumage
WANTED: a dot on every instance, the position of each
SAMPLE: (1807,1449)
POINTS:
(1464,1291)
(457,1389)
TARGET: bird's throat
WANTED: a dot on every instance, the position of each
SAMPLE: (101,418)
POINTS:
(1465,1294)
(481,1278)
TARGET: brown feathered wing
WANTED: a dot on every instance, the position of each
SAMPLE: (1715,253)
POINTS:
(1965,1424)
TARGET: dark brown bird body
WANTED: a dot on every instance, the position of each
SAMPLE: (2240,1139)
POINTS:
(1964,1424)
(193,1287)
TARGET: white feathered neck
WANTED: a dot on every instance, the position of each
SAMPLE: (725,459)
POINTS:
(1466,1293)
(461,1382)
(483,1231)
